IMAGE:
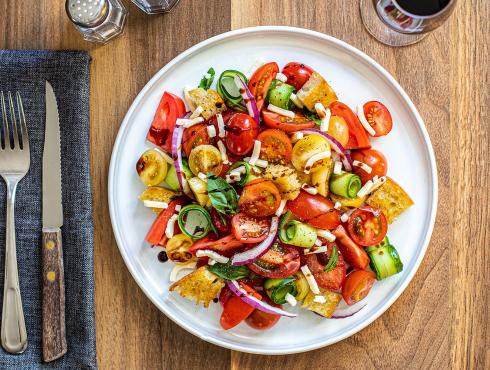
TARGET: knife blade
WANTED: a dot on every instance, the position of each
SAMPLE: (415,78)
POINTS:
(54,339)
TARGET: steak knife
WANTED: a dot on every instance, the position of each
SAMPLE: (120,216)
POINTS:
(54,339)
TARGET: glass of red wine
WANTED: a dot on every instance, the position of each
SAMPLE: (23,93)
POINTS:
(403,22)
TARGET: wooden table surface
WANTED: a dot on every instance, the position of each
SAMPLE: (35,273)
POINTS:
(441,320)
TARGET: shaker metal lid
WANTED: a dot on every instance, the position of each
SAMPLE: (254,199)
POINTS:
(87,13)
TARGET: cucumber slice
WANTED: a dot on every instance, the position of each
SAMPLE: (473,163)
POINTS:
(277,289)
(279,94)
(385,260)
(171,179)
(228,90)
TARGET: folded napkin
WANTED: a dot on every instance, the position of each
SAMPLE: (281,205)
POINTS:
(68,73)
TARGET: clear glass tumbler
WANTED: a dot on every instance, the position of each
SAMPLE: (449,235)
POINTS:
(155,6)
(403,22)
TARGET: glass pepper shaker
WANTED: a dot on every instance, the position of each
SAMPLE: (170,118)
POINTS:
(155,6)
(97,20)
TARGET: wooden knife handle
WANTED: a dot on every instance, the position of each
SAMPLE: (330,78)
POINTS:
(54,339)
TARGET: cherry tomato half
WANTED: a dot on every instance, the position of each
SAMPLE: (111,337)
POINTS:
(276,146)
(249,229)
(221,222)
(280,261)
(261,81)
(235,310)
(226,246)
(367,226)
(358,138)
(316,210)
(260,198)
(195,136)
(357,286)
(262,320)
(241,131)
(333,279)
(374,159)
(287,124)
(169,109)
(297,74)
(352,253)
(379,117)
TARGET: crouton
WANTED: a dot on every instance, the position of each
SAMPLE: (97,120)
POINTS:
(200,285)
(326,309)
(209,100)
(316,90)
(286,180)
(391,199)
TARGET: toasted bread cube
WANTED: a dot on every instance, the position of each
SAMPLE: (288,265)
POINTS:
(391,199)
(286,180)
(325,309)
(209,100)
(200,285)
(316,90)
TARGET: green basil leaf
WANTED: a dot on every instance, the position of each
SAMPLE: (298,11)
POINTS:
(312,116)
(207,79)
(228,271)
(332,262)
(222,195)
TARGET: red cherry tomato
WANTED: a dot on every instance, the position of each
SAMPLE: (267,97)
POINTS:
(280,261)
(367,226)
(352,253)
(333,279)
(225,295)
(276,146)
(379,117)
(227,245)
(235,310)
(287,124)
(221,222)
(316,210)
(297,74)
(357,286)
(262,320)
(374,159)
(358,138)
(259,198)
(261,81)
(241,131)
(170,108)
(195,136)
(249,229)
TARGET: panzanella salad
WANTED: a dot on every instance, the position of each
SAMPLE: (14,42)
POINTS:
(268,192)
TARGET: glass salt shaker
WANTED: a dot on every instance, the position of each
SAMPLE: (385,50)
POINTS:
(97,20)
(155,6)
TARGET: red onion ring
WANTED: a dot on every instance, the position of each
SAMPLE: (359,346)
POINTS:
(177,136)
(248,98)
(336,146)
(255,302)
(250,255)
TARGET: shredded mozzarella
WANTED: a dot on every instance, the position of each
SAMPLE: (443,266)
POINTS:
(178,207)
(318,243)
(213,255)
(319,299)
(202,176)
(324,115)
(297,136)
(222,150)
(235,174)
(261,163)
(282,205)
(169,231)
(337,205)
(366,189)
(309,189)
(325,234)
(337,168)
(362,165)
(155,204)
(193,122)
(344,217)
(281,77)
(256,152)
(197,112)
(294,98)
(315,158)
(211,131)
(282,112)
(310,279)
(221,125)
(178,268)
(377,183)
(364,122)
(290,299)
(241,170)
(321,249)
(211,262)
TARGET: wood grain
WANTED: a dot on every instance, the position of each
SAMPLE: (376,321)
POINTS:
(441,320)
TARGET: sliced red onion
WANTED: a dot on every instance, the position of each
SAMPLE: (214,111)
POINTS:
(348,311)
(177,157)
(336,146)
(248,98)
(250,255)
(255,302)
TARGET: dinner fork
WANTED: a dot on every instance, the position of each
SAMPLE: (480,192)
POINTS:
(15,160)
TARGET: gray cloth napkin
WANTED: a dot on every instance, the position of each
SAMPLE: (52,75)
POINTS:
(68,72)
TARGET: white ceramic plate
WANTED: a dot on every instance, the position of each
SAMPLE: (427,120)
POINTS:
(356,78)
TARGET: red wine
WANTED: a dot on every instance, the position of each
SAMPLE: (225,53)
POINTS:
(422,7)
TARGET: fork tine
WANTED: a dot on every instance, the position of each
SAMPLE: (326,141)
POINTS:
(6,135)
(15,133)
(22,123)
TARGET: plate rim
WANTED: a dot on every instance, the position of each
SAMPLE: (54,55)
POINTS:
(324,38)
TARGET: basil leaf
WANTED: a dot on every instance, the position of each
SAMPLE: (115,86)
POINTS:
(207,79)
(222,195)
(312,116)
(229,272)
(332,262)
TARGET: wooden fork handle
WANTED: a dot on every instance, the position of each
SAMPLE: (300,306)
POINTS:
(54,338)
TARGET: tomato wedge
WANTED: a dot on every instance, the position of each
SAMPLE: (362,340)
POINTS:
(287,124)
(367,226)
(157,230)
(279,262)
(249,229)
(226,245)
(333,279)
(352,253)
(170,108)
(276,146)
(316,210)
(379,117)
(261,320)
(261,81)
(235,310)
(358,138)
(357,286)
(260,198)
